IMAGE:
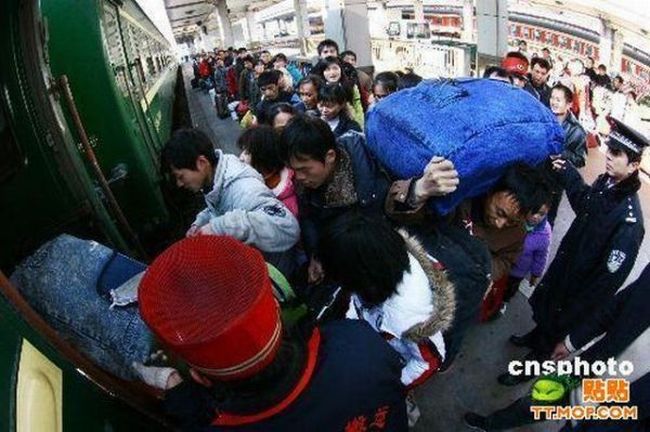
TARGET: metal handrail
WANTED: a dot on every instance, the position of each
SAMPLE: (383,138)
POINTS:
(92,159)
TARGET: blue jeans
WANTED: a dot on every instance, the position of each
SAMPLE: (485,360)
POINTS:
(67,282)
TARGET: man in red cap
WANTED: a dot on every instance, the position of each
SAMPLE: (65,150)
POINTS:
(516,64)
(210,301)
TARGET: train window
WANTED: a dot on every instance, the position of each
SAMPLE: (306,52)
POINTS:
(11,154)
(113,46)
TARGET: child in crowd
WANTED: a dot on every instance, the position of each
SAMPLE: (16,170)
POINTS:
(532,260)
(308,89)
(259,147)
(334,110)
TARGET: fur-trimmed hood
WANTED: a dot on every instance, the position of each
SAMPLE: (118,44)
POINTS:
(443,293)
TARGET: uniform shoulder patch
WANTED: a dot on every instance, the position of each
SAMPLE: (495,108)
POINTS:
(274,210)
(615,260)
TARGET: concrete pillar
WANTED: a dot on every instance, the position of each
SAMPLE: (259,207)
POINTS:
(610,47)
(225,28)
(251,27)
(468,21)
(492,31)
(302,24)
(347,23)
(418,8)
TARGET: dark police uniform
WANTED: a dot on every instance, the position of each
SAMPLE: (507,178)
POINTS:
(355,387)
(596,254)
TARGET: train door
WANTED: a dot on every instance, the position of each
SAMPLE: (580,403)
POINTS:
(50,189)
(139,55)
(126,71)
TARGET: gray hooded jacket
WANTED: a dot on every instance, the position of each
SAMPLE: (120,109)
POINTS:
(240,205)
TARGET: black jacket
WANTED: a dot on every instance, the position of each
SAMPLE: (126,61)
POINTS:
(356,382)
(622,319)
(575,141)
(544,92)
(357,183)
(345,125)
(596,254)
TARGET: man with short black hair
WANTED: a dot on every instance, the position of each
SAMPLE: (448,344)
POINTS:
(538,77)
(327,48)
(269,84)
(238,202)
(575,139)
(336,176)
(598,251)
(602,79)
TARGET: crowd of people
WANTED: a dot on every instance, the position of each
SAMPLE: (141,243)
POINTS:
(390,288)
(369,247)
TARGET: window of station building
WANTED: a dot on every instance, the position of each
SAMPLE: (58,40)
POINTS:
(10,161)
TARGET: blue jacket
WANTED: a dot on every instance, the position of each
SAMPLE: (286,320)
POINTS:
(595,256)
(349,387)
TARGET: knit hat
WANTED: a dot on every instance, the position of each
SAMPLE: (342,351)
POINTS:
(209,299)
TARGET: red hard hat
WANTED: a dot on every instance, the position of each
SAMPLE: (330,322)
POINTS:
(515,65)
(209,299)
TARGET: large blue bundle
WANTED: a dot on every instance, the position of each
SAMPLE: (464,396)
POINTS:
(481,125)
(60,281)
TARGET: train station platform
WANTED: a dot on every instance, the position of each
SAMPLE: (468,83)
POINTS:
(471,383)
(222,132)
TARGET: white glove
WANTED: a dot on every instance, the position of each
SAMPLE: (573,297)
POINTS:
(153,375)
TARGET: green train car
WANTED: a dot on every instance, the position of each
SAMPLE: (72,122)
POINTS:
(86,103)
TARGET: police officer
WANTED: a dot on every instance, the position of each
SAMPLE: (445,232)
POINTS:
(599,249)
(210,301)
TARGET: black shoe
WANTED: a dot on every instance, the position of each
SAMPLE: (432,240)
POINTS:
(475,421)
(512,380)
(522,341)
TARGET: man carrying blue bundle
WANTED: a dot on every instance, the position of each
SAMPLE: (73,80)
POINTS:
(495,219)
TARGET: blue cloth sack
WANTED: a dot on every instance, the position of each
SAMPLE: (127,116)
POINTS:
(481,125)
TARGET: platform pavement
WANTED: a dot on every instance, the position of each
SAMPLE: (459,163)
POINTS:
(471,383)
(222,132)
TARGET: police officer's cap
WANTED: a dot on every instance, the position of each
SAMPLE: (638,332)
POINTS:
(626,138)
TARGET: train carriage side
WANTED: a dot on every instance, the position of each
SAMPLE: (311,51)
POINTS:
(47,187)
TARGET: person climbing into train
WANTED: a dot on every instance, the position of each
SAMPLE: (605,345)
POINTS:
(238,202)
(269,84)
(333,107)
(210,302)
(598,251)
(335,175)
(259,148)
